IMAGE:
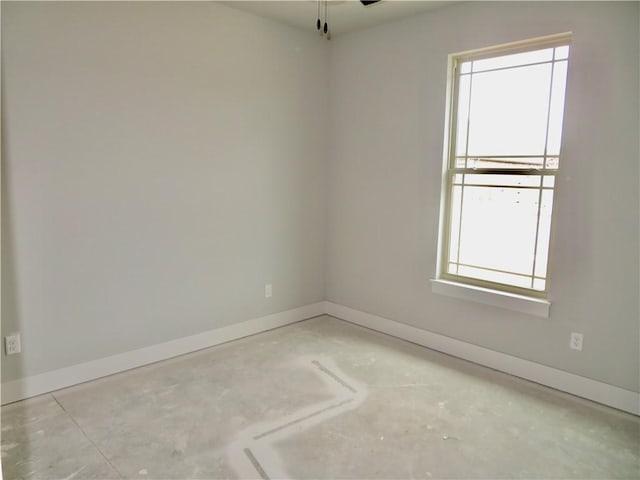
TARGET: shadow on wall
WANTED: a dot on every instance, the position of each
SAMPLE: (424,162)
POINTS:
(11,366)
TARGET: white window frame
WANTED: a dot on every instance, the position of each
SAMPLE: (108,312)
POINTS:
(526,300)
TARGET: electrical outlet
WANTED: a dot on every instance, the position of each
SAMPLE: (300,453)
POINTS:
(268,291)
(575,343)
(12,344)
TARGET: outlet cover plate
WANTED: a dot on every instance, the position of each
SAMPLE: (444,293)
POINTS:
(575,342)
(12,344)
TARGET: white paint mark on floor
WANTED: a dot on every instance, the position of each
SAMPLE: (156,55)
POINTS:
(75,473)
(4,450)
(144,471)
(253,452)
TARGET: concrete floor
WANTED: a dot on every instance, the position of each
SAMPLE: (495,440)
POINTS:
(318,399)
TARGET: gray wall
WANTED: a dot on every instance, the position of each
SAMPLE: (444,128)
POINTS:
(162,162)
(386,129)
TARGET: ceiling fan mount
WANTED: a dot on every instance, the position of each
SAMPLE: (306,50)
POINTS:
(323,27)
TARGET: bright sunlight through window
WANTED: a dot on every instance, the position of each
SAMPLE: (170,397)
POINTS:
(506,113)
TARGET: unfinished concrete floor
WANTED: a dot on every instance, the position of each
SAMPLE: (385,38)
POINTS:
(318,399)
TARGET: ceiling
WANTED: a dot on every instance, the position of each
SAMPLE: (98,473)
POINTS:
(344,15)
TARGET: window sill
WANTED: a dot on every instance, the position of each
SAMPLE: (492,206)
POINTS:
(520,303)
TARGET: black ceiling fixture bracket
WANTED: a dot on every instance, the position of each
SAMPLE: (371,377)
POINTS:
(323,27)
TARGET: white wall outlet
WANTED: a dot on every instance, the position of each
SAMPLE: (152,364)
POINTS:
(12,343)
(575,342)
(268,291)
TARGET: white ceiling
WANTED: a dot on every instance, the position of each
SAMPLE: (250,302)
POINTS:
(344,15)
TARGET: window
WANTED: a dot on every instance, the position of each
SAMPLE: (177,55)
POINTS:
(506,108)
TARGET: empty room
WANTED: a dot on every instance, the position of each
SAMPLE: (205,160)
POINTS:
(320,240)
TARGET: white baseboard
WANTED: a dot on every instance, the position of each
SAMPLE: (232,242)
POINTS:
(594,390)
(600,392)
(65,377)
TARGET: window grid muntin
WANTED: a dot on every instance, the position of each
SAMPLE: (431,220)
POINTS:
(549,166)
(466,156)
(447,260)
(546,144)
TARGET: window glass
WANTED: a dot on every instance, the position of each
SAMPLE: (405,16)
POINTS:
(513,60)
(508,111)
(503,158)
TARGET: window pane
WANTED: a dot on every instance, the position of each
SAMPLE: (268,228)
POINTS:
(544,234)
(513,60)
(456,201)
(463,114)
(505,162)
(499,228)
(539,284)
(503,180)
(498,277)
(557,108)
(562,52)
(505,145)
(549,181)
(509,111)
(552,163)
